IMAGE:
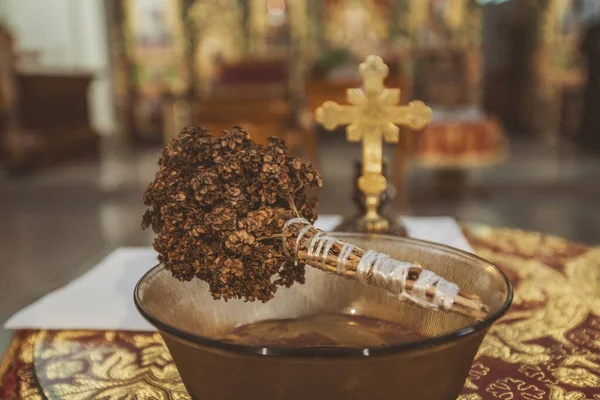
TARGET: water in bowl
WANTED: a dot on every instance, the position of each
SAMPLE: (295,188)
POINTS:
(322,330)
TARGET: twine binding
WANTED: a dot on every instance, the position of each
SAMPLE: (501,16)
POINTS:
(375,268)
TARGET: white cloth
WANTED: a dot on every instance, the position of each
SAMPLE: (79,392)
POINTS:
(103,297)
(467,114)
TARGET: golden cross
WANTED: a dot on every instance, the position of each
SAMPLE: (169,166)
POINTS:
(372,117)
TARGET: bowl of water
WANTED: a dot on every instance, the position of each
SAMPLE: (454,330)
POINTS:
(330,337)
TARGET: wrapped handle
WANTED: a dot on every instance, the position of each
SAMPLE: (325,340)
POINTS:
(312,246)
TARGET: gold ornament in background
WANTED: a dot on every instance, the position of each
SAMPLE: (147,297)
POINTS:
(361,26)
(373,116)
(177,112)
(219,36)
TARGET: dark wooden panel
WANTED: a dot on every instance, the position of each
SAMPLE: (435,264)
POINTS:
(50,102)
(53,119)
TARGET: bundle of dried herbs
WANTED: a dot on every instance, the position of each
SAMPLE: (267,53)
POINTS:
(215,200)
(238,216)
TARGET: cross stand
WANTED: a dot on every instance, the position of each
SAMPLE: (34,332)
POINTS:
(352,224)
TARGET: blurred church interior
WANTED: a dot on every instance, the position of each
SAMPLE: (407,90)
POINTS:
(90,90)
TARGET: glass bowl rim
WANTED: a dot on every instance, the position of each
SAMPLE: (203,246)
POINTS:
(335,351)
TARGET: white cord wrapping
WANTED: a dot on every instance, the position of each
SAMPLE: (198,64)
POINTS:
(347,249)
(445,293)
(306,228)
(364,265)
(424,282)
(384,271)
(313,243)
(378,269)
(298,240)
(326,250)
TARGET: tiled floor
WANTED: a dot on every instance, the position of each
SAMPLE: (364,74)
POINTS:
(58,223)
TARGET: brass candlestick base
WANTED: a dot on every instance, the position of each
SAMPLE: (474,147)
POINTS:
(382,225)
(363,221)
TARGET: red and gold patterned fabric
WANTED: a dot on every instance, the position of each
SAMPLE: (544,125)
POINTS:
(546,347)
(461,144)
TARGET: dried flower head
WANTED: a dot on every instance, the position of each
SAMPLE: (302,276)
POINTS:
(213,202)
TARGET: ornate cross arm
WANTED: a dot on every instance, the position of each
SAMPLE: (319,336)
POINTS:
(331,115)
(416,115)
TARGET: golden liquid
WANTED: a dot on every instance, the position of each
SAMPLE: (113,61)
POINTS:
(323,330)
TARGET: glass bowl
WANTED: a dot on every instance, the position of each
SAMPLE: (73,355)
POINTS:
(192,324)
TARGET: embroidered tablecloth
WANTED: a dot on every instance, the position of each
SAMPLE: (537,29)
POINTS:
(546,347)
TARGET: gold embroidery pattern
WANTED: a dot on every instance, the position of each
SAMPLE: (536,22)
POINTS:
(27,388)
(550,339)
(478,370)
(472,396)
(546,347)
(509,388)
(106,365)
(558,393)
